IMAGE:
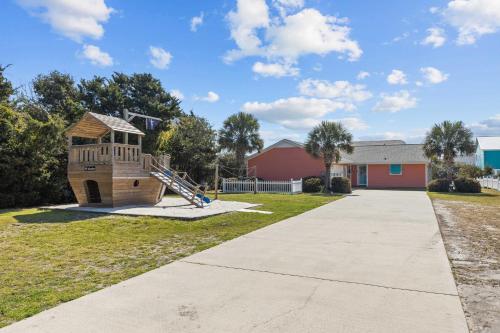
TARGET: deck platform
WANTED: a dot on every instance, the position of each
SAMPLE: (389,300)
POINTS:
(169,206)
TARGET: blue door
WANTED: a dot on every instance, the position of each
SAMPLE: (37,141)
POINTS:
(362,177)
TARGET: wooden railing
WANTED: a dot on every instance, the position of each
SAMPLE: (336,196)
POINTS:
(104,153)
(126,153)
(97,153)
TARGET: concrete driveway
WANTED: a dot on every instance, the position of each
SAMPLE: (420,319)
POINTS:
(371,262)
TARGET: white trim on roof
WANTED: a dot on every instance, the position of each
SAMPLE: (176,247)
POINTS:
(488,142)
(284,143)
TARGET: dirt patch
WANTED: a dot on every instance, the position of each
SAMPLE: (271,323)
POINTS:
(471,234)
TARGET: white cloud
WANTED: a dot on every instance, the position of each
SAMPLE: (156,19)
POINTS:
(397,77)
(196,21)
(435,37)
(275,69)
(396,102)
(249,16)
(96,56)
(285,6)
(433,75)
(342,91)
(211,97)
(310,32)
(401,37)
(411,136)
(352,123)
(159,57)
(362,75)
(488,127)
(293,112)
(433,10)
(473,18)
(273,136)
(290,3)
(285,39)
(70,18)
(177,94)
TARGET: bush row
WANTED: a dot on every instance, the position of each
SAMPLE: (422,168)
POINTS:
(315,184)
(460,184)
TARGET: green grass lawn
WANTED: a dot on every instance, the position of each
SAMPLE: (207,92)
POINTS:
(48,257)
(486,197)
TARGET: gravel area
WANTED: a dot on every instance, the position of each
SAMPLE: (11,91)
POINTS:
(471,234)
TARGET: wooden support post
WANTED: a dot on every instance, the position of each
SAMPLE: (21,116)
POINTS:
(139,142)
(70,143)
(216,185)
(255,185)
(112,140)
(99,141)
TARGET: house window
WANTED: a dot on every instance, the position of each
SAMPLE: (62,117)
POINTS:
(396,169)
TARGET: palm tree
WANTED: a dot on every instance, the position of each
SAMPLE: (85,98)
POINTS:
(446,141)
(328,140)
(240,135)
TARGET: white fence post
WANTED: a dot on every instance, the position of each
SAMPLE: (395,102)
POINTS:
(490,182)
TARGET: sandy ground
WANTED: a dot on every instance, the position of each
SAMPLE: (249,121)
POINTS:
(471,234)
(169,206)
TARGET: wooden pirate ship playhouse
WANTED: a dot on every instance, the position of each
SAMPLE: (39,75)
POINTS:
(118,174)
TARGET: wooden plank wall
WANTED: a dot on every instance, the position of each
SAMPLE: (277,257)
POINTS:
(147,191)
(116,184)
(102,175)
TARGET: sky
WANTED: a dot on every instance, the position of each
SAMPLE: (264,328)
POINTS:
(385,69)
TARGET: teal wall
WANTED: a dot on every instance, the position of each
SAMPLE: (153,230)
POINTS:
(492,158)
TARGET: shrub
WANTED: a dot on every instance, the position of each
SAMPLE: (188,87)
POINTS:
(470,171)
(311,184)
(440,171)
(439,185)
(488,171)
(467,185)
(341,185)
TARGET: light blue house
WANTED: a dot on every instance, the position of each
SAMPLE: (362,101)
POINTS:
(488,152)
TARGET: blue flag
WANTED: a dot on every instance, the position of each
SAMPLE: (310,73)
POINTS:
(151,123)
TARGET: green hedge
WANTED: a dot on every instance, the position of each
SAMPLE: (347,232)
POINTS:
(439,185)
(341,185)
(467,185)
(312,184)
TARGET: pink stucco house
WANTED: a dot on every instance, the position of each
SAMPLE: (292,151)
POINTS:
(373,164)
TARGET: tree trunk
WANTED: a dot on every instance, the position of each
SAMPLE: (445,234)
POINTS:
(449,170)
(240,160)
(328,184)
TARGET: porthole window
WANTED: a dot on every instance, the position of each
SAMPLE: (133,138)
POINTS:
(136,183)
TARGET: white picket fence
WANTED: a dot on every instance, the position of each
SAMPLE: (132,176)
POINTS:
(488,182)
(261,186)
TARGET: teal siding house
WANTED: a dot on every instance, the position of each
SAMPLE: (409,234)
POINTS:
(488,152)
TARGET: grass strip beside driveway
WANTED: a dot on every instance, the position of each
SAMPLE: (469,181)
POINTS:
(48,257)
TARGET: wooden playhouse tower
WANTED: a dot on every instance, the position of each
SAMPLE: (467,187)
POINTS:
(118,174)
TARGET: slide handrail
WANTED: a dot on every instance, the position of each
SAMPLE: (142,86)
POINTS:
(182,178)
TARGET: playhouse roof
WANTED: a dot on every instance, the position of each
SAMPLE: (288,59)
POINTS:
(94,125)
